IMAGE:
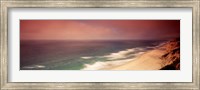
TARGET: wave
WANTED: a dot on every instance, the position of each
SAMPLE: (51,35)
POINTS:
(34,67)
(102,65)
(115,59)
(87,57)
(124,54)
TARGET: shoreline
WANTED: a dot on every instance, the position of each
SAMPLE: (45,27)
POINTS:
(149,60)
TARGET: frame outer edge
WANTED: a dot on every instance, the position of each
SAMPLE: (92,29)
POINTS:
(196,44)
(0,42)
(3,45)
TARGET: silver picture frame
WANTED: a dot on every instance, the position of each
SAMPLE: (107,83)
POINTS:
(6,4)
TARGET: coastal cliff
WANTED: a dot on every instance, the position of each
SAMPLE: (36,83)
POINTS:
(172,56)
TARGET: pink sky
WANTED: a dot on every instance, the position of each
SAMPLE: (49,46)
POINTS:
(99,29)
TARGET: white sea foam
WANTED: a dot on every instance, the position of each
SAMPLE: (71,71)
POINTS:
(101,65)
(119,55)
(87,57)
(34,66)
(39,66)
(139,53)
(117,58)
(28,67)
(123,54)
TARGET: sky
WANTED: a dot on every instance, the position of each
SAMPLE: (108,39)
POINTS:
(99,29)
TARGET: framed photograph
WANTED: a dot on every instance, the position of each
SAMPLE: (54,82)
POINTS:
(93,45)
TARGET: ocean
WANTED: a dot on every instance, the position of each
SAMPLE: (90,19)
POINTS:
(80,55)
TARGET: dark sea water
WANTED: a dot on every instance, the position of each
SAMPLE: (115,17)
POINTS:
(77,55)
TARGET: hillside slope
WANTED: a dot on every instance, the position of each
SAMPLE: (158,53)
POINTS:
(172,56)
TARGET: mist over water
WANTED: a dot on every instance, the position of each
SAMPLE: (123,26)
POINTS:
(79,55)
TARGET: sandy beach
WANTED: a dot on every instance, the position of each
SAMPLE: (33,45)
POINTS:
(147,61)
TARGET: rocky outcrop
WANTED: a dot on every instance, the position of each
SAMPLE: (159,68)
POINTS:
(172,56)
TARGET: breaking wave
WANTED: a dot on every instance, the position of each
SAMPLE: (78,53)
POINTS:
(115,59)
(34,67)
